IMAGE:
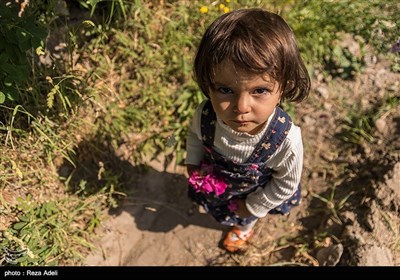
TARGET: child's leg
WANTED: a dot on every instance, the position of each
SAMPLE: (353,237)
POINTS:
(245,230)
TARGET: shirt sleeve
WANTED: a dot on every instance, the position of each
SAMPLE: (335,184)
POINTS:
(194,144)
(287,164)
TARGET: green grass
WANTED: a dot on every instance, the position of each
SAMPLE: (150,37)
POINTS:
(52,231)
(358,125)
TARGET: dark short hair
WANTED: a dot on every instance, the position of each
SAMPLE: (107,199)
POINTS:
(256,41)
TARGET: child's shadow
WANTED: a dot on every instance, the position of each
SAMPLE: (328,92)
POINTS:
(159,203)
(156,200)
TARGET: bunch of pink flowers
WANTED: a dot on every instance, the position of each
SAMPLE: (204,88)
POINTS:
(205,180)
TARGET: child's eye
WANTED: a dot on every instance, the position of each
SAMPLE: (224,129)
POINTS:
(262,91)
(225,90)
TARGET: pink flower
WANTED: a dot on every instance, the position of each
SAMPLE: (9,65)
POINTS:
(207,181)
(254,166)
(232,206)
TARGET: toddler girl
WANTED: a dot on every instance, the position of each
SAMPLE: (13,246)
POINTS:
(244,154)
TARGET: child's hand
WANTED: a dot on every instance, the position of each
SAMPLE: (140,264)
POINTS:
(242,211)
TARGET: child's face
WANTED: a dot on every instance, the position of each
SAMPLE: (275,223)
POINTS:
(243,101)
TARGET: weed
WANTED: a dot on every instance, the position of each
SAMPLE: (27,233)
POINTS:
(52,232)
(358,125)
(333,207)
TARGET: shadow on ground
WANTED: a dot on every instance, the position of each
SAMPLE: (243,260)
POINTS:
(154,223)
(159,203)
(157,200)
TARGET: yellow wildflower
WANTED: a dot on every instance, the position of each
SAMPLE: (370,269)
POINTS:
(221,6)
(226,10)
(227,1)
(203,10)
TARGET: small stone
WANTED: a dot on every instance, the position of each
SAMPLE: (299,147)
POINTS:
(381,126)
(322,91)
(331,255)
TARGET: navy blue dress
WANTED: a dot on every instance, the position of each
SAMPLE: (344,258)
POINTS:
(242,178)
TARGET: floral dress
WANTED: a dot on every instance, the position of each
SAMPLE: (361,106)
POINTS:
(220,180)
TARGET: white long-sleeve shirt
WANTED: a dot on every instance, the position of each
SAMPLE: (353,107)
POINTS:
(286,162)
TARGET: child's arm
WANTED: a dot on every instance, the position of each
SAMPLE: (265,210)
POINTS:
(194,144)
(287,165)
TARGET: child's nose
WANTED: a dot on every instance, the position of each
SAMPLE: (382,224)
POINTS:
(242,105)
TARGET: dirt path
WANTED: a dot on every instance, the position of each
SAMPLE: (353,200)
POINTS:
(158,226)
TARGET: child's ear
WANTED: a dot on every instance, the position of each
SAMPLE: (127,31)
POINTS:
(280,100)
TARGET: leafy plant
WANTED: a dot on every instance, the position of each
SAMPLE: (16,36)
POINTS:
(333,207)
(357,127)
(52,232)
(358,124)
(112,8)
(342,62)
(18,36)
(318,25)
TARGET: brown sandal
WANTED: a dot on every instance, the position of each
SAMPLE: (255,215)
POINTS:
(234,241)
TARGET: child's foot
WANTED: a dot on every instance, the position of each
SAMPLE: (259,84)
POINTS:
(236,240)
